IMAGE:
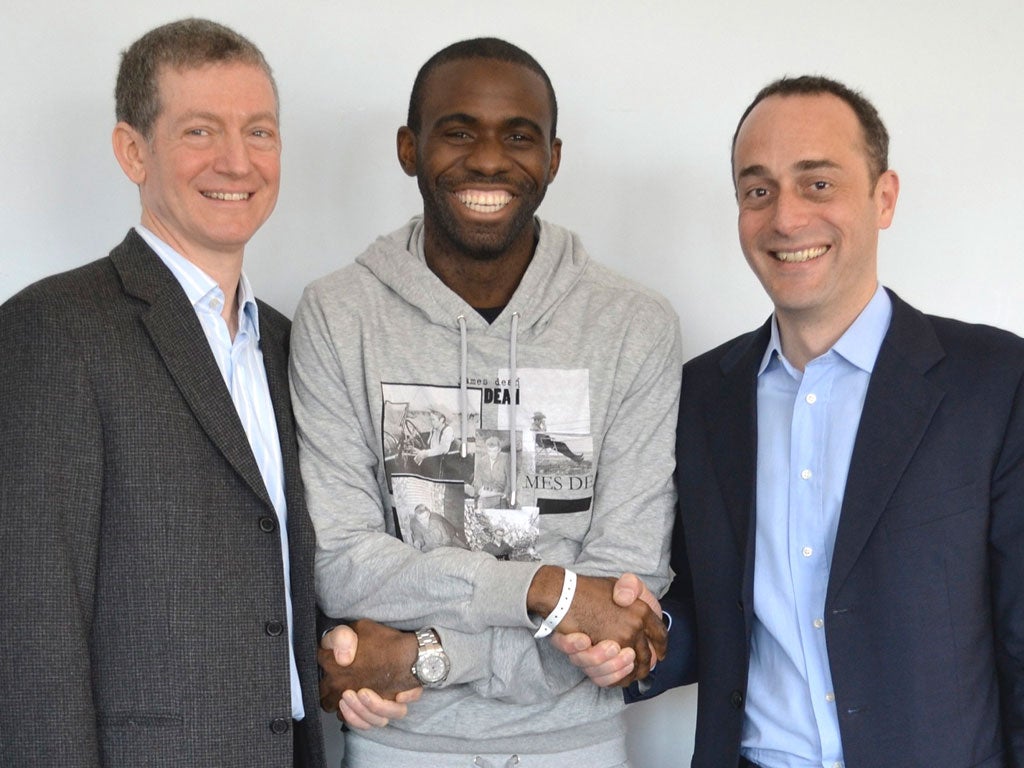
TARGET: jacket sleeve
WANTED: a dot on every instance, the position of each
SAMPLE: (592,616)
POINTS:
(1006,542)
(477,602)
(679,667)
(51,454)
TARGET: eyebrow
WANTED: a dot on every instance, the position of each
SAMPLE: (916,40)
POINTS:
(752,171)
(511,122)
(257,117)
(758,171)
(814,165)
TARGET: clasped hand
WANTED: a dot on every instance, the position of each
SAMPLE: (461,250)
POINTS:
(607,658)
(375,685)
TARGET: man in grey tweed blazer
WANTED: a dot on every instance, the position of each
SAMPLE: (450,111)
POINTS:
(157,604)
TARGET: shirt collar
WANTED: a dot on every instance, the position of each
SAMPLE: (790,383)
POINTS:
(199,287)
(861,342)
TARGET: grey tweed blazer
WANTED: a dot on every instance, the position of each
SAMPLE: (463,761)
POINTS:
(142,604)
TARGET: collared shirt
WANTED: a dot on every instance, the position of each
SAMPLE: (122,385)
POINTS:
(806,425)
(241,364)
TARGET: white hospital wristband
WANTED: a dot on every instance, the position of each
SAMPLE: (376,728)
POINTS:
(561,607)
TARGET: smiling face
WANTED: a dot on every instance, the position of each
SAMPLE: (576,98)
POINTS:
(810,209)
(209,174)
(483,156)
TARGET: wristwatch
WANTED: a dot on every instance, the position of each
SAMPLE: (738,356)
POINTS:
(432,665)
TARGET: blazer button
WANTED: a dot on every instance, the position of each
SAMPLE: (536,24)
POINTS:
(279,725)
(268,524)
(274,628)
(736,699)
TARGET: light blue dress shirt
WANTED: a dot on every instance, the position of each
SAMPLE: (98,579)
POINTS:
(806,426)
(241,364)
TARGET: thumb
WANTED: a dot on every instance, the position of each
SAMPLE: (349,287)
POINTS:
(627,589)
(343,642)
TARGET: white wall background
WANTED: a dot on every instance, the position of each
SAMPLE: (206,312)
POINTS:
(649,94)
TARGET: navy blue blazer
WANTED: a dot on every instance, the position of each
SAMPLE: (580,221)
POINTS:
(925,602)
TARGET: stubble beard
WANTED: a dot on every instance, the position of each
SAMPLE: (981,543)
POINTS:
(483,243)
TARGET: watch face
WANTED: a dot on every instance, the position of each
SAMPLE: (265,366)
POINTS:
(432,668)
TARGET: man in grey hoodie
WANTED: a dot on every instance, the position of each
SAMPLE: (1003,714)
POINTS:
(481,313)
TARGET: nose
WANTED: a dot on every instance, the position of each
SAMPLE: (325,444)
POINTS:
(790,212)
(233,155)
(487,155)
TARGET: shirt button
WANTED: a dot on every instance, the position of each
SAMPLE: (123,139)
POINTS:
(811,398)
(818,623)
(806,474)
(214,303)
(806,551)
(830,697)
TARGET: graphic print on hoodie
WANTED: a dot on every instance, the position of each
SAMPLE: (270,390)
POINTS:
(455,483)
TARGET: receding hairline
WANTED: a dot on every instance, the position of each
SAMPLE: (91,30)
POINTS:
(873,132)
(807,163)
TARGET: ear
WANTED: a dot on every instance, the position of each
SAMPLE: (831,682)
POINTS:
(887,189)
(406,141)
(130,149)
(556,159)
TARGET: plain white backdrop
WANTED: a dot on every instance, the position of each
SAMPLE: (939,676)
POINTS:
(649,93)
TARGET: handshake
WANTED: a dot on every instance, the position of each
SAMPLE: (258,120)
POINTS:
(612,630)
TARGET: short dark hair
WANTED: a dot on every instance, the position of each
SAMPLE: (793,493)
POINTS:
(876,138)
(478,48)
(185,44)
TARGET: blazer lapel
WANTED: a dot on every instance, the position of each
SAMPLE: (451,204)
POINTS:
(898,408)
(178,337)
(732,426)
(274,345)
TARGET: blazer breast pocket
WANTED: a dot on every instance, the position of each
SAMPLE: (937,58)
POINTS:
(936,507)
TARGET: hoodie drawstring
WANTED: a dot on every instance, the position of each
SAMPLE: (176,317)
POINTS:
(463,386)
(512,377)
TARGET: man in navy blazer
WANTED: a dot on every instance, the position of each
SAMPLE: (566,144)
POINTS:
(157,604)
(849,550)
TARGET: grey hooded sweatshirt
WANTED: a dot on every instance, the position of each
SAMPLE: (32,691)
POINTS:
(397,385)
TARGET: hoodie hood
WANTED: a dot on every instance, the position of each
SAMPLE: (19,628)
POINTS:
(558,264)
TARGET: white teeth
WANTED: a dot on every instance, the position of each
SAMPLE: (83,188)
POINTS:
(795,257)
(484,202)
(231,196)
